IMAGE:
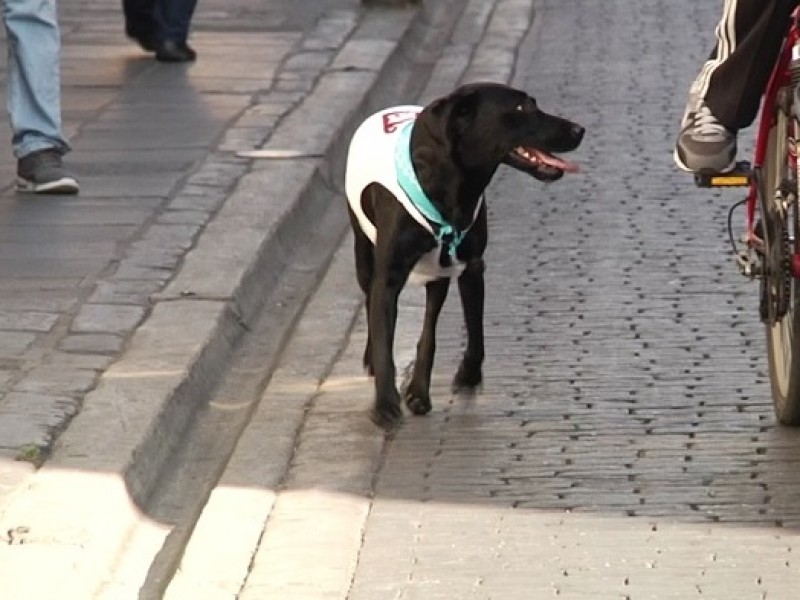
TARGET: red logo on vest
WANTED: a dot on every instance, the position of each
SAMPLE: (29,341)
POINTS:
(392,120)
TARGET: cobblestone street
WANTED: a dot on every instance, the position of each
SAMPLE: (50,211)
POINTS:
(622,446)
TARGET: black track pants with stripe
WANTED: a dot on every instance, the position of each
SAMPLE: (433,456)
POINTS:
(748,40)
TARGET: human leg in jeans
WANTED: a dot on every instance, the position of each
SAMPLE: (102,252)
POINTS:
(34,96)
(726,94)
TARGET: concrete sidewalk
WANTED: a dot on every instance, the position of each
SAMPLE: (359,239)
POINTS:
(117,307)
(155,149)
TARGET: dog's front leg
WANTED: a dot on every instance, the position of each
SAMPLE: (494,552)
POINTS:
(471,290)
(382,319)
(417,394)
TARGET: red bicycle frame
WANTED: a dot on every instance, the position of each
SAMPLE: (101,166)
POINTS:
(780,78)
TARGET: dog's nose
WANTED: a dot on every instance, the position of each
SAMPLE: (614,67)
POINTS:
(578,131)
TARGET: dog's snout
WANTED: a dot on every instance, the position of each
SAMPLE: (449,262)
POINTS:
(577,131)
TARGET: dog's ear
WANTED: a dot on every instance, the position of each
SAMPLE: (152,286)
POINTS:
(464,107)
(460,104)
(434,121)
(446,120)
(438,106)
(452,115)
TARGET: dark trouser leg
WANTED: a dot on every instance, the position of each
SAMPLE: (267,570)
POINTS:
(176,18)
(140,18)
(749,38)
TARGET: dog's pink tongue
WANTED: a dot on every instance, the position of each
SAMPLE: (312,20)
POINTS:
(556,162)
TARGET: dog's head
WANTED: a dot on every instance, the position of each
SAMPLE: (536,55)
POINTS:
(487,124)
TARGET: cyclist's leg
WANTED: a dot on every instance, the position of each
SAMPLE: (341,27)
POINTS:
(726,93)
(749,38)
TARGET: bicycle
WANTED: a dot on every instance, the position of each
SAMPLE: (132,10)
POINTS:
(771,251)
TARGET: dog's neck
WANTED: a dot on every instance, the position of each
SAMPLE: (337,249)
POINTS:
(454,190)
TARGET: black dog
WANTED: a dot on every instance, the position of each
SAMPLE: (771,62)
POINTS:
(415,182)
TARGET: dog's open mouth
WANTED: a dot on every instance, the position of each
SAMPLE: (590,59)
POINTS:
(545,165)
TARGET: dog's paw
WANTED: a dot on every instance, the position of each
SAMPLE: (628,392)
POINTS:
(466,379)
(417,403)
(417,398)
(387,417)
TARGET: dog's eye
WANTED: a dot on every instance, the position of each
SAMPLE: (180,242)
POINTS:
(527,105)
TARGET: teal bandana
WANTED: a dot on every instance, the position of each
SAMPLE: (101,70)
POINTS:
(444,232)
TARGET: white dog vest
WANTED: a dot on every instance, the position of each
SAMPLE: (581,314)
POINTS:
(371,159)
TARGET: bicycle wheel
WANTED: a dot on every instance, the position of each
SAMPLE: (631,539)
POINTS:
(777,185)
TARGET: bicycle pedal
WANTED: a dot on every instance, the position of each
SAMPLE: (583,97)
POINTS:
(738,177)
(749,266)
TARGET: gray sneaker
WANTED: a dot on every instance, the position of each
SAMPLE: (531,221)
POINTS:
(704,144)
(41,172)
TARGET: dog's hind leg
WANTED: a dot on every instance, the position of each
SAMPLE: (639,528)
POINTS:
(365,268)
(417,394)
(471,290)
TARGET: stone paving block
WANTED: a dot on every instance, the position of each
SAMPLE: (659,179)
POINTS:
(218,171)
(48,250)
(222,575)
(40,405)
(13,344)
(27,321)
(158,185)
(171,235)
(244,138)
(151,261)
(49,379)
(51,268)
(125,291)
(12,474)
(311,60)
(184,217)
(47,300)
(472,24)
(107,318)
(196,197)
(339,532)
(294,83)
(92,343)
(21,432)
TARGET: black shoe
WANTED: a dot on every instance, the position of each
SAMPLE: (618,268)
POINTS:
(169,51)
(41,172)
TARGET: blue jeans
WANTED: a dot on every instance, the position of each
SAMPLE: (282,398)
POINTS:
(33,96)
